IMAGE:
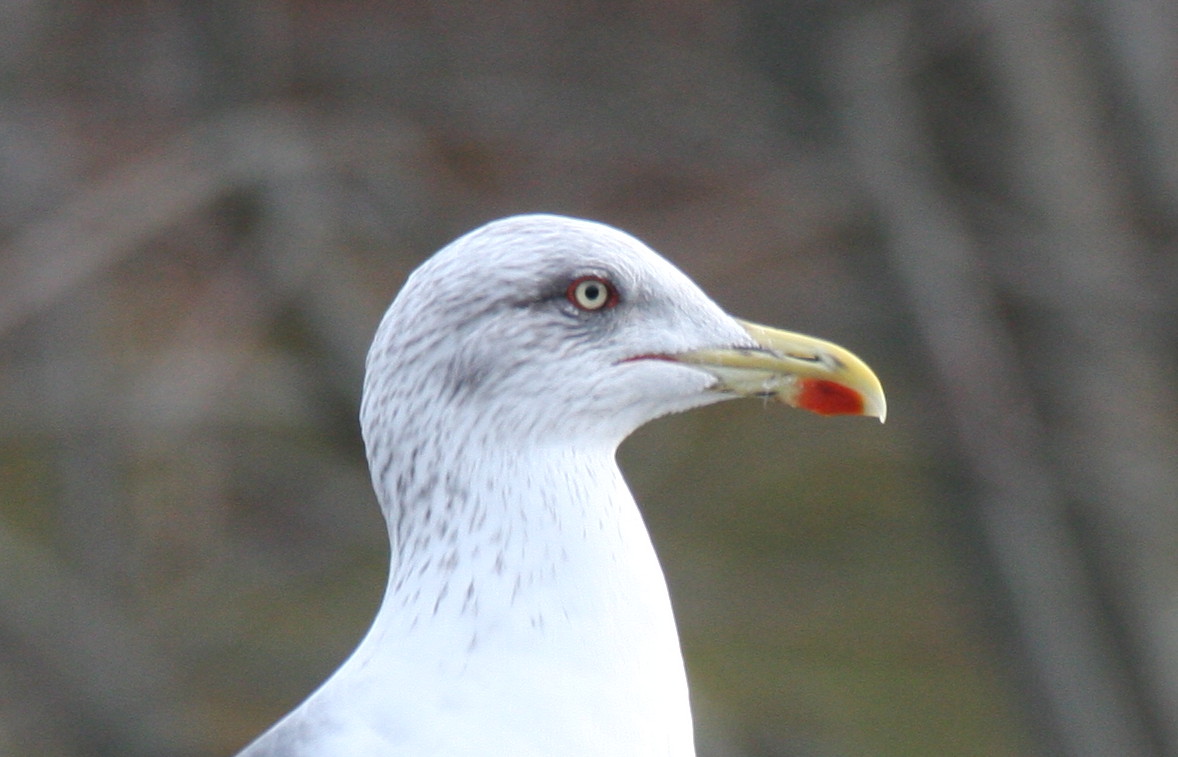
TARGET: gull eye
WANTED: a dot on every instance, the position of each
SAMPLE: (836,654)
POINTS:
(592,293)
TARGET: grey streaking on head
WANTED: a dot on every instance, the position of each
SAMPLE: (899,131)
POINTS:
(526,613)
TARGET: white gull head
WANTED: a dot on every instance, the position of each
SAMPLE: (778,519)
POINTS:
(526,613)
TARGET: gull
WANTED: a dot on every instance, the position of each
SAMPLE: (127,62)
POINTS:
(526,613)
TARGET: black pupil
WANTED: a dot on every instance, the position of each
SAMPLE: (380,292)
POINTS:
(592,292)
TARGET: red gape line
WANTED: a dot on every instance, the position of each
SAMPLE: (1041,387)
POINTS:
(828,398)
(649,356)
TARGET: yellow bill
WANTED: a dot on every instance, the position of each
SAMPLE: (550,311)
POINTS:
(795,369)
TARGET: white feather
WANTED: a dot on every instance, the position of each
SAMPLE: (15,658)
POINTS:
(526,612)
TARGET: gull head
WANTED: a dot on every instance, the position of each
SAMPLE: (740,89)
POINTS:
(541,329)
(526,612)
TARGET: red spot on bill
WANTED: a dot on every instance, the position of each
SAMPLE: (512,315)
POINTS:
(829,398)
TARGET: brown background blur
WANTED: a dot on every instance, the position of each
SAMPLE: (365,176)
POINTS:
(205,206)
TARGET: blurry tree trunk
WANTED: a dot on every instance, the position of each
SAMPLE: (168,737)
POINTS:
(101,683)
(1088,424)
(1107,375)
(1143,39)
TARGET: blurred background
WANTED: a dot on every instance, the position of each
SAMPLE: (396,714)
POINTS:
(205,206)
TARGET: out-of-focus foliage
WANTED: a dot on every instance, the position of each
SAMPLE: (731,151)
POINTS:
(205,206)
